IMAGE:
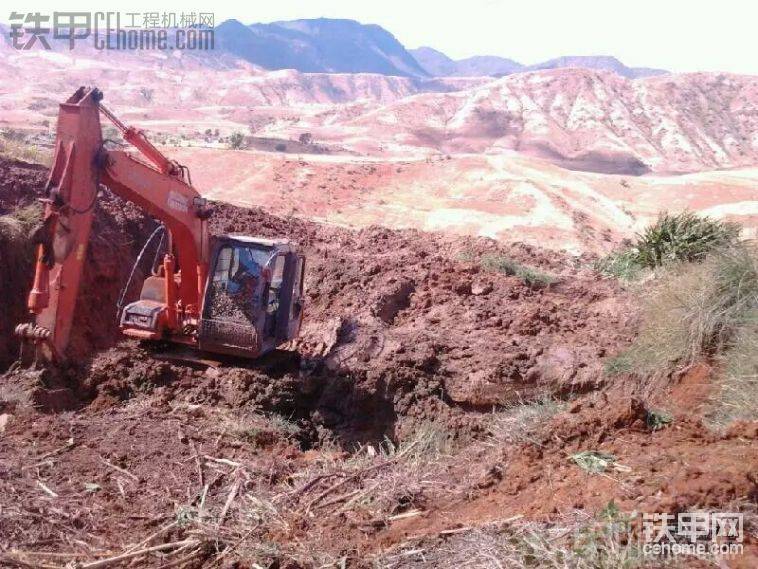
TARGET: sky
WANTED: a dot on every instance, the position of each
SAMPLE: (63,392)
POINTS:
(695,35)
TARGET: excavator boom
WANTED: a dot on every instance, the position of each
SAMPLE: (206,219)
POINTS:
(71,193)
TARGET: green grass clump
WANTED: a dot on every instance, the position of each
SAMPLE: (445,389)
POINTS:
(685,236)
(531,276)
(620,264)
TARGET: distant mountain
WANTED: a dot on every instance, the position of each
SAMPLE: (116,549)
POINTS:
(434,62)
(438,64)
(599,62)
(487,65)
(326,45)
(319,46)
(584,119)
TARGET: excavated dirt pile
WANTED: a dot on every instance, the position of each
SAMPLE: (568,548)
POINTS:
(405,333)
(400,327)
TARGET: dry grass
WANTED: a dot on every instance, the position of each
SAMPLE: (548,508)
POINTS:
(15,146)
(693,311)
(11,229)
(521,423)
(580,542)
(239,507)
(737,396)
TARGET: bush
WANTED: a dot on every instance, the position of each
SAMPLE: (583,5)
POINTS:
(679,237)
(683,237)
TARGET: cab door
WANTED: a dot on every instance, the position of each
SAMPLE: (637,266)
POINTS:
(297,306)
(284,307)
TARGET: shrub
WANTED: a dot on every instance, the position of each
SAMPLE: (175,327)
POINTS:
(683,237)
(673,237)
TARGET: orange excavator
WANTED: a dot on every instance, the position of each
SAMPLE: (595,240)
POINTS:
(230,294)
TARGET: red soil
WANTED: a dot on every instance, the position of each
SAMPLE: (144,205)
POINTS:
(402,328)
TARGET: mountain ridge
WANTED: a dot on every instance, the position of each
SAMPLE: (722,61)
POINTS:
(440,65)
(322,45)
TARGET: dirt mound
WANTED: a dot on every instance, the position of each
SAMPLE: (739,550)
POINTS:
(414,325)
(20,183)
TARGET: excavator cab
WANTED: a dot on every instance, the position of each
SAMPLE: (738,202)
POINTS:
(253,298)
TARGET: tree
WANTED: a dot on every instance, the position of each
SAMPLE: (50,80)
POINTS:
(306,138)
(236,141)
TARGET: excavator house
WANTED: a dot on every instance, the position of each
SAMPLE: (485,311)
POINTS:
(229,294)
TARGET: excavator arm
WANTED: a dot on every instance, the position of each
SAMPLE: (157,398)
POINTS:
(159,186)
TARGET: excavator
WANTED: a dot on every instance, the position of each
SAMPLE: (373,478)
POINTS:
(228,294)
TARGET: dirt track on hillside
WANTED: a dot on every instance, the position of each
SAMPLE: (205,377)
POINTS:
(403,330)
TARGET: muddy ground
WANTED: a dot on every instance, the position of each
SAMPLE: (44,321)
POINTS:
(391,427)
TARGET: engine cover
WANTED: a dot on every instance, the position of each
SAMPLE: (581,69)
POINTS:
(142,316)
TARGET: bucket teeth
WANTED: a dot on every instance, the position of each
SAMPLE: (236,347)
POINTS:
(31,331)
